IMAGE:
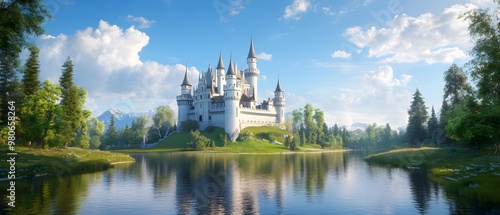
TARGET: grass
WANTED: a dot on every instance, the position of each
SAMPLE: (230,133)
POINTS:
(36,162)
(263,139)
(472,174)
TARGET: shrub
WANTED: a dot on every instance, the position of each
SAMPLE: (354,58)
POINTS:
(198,141)
(190,125)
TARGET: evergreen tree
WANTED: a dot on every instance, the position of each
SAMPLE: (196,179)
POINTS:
(417,118)
(31,83)
(73,115)
(432,128)
(387,134)
(111,136)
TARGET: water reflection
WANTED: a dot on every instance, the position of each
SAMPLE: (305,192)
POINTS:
(200,183)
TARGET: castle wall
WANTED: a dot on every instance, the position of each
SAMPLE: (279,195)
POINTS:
(254,117)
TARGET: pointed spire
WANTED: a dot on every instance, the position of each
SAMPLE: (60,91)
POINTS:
(220,65)
(186,79)
(278,87)
(230,71)
(251,53)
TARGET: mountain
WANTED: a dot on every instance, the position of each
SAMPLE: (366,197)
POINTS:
(122,118)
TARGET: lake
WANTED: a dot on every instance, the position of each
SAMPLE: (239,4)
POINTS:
(205,183)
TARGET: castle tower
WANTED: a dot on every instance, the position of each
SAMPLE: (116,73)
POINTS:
(184,101)
(221,76)
(232,96)
(252,73)
(279,103)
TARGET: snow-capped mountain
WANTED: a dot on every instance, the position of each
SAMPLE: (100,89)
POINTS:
(122,118)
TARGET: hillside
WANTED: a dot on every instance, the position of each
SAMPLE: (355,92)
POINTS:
(265,139)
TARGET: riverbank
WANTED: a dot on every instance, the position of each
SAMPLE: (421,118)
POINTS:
(253,140)
(472,174)
(34,162)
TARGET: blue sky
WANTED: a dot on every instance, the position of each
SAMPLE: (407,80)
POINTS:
(359,61)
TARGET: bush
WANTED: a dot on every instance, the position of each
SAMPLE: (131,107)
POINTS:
(190,125)
(198,141)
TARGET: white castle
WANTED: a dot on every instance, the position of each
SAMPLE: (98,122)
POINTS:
(229,99)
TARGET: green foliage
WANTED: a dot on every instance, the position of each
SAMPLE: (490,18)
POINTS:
(484,28)
(163,120)
(473,123)
(39,113)
(432,128)
(25,18)
(417,119)
(223,138)
(198,141)
(111,136)
(190,125)
(31,83)
(96,132)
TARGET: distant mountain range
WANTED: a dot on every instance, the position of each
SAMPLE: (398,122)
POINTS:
(121,118)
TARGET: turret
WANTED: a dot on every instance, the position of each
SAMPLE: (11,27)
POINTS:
(279,103)
(184,101)
(252,73)
(221,77)
(232,96)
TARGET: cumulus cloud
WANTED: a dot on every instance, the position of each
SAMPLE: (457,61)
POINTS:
(428,37)
(107,63)
(377,96)
(143,22)
(264,56)
(340,54)
(297,7)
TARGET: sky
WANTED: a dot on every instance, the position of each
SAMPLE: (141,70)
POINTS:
(359,61)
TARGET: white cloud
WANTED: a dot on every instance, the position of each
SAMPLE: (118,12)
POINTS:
(143,22)
(340,54)
(225,8)
(264,56)
(429,37)
(377,96)
(264,77)
(297,7)
(107,63)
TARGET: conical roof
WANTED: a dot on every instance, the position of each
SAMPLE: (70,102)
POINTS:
(230,71)
(251,52)
(186,79)
(220,65)
(278,87)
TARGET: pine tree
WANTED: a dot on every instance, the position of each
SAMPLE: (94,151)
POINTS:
(432,128)
(111,136)
(31,83)
(417,118)
(72,104)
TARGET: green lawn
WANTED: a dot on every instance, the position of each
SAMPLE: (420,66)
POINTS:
(35,161)
(474,174)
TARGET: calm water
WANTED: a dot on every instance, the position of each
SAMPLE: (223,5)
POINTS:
(198,183)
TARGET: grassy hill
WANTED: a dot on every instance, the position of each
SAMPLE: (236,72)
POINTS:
(265,139)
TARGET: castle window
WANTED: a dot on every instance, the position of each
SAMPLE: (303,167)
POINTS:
(200,118)
(209,118)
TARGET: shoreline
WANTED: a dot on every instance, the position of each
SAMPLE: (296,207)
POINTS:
(471,174)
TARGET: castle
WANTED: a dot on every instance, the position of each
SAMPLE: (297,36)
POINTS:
(229,99)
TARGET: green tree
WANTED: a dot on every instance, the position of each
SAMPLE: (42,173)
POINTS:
(163,118)
(432,128)
(111,136)
(31,83)
(417,118)
(484,28)
(96,132)
(198,141)
(39,111)
(73,115)
(387,134)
